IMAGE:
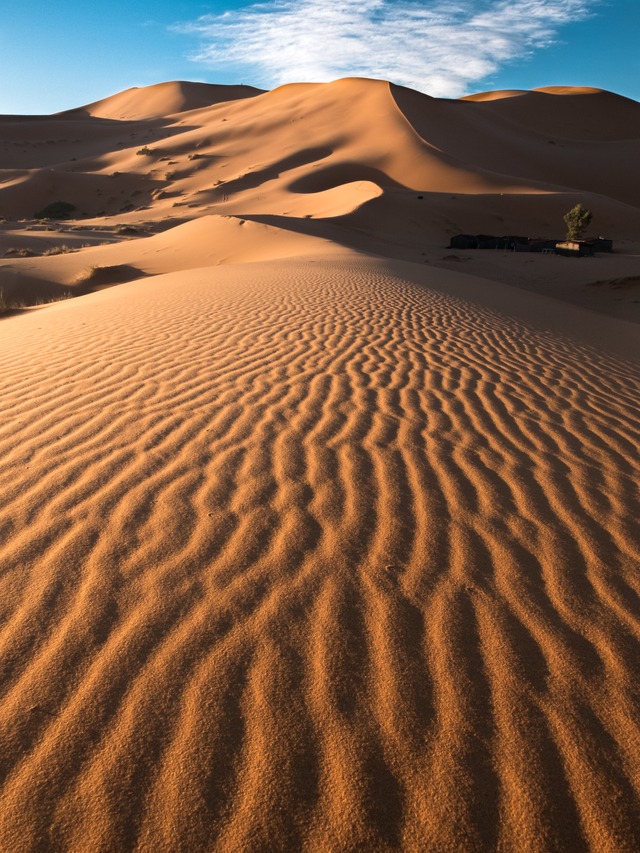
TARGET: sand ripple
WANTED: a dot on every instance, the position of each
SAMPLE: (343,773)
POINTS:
(308,556)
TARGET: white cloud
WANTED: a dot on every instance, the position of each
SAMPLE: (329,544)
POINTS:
(438,48)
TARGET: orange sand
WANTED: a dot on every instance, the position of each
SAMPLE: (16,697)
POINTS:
(305,543)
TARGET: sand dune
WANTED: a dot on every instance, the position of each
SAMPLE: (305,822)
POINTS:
(314,555)
(314,534)
(164,99)
(572,112)
(368,165)
(513,135)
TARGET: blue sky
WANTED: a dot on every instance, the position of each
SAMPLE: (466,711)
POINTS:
(59,55)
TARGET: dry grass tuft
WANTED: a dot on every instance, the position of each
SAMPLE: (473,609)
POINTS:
(19,253)
(59,250)
(99,276)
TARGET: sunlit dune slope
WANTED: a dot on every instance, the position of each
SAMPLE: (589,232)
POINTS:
(207,241)
(572,112)
(164,99)
(320,554)
(276,152)
(375,167)
(588,142)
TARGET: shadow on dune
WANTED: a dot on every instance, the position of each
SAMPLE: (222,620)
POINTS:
(62,158)
(535,136)
(19,292)
(401,223)
(338,174)
(99,277)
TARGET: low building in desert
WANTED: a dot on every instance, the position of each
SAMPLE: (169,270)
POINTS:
(575,248)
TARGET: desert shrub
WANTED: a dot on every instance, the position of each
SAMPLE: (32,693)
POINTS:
(169,176)
(7,304)
(195,156)
(55,210)
(144,152)
(59,250)
(19,253)
(60,297)
(103,275)
(617,283)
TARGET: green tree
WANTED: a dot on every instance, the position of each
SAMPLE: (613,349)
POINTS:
(577,220)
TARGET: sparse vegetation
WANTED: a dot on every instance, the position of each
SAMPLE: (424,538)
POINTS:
(169,176)
(19,253)
(59,250)
(97,275)
(577,220)
(61,297)
(56,210)
(195,157)
(87,273)
(145,151)
(64,249)
(618,283)
(7,304)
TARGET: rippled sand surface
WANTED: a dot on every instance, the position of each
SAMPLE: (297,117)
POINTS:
(309,556)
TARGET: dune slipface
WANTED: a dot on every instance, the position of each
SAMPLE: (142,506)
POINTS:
(302,546)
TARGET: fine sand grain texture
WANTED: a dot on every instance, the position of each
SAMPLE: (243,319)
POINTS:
(306,555)
(316,535)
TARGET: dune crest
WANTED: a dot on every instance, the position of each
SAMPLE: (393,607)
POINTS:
(164,99)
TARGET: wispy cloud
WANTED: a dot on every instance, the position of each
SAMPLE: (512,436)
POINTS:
(439,48)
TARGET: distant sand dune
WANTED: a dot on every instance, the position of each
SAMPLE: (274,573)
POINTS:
(307,555)
(361,163)
(536,137)
(164,99)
